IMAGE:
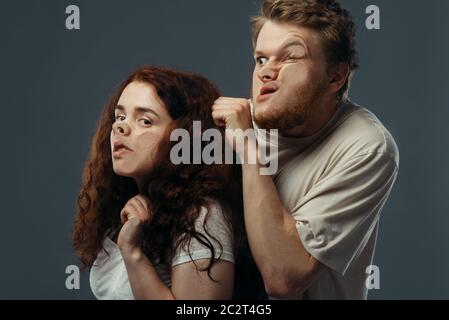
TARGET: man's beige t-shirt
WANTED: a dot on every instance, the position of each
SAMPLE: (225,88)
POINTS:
(334,184)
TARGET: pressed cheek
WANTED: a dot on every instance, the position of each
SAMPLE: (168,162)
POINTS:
(303,78)
(146,146)
(110,139)
(295,74)
(257,84)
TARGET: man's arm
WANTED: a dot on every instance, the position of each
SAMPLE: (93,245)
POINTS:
(286,266)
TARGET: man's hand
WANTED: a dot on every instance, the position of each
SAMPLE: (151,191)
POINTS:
(234,114)
(133,216)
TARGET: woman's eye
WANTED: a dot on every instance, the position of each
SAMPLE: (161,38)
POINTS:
(119,118)
(146,122)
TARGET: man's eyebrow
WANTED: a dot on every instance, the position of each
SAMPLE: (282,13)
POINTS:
(293,43)
(139,109)
(289,44)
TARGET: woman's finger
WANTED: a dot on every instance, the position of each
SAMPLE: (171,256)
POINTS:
(129,211)
(142,208)
(143,202)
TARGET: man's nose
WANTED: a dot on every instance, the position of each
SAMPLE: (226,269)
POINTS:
(268,73)
(121,128)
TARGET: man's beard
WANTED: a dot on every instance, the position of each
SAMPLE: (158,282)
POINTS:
(294,112)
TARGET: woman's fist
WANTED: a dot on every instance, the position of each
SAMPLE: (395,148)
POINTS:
(133,216)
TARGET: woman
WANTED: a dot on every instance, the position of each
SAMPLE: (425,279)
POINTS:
(150,229)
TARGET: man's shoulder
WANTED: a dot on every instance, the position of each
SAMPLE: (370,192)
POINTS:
(361,132)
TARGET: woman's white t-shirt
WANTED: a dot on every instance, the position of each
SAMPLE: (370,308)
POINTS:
(109,277)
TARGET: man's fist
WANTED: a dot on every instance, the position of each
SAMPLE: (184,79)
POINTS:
(232,113)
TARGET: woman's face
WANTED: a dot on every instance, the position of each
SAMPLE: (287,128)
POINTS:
(140,121)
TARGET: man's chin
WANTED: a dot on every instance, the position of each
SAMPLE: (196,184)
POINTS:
(262,121)
(268,123)
(261,106)
(272,120)
(265,114)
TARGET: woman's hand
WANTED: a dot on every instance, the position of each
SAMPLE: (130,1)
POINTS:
(134,215)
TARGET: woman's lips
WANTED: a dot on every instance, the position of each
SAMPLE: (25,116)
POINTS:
(121,152)
(120,149)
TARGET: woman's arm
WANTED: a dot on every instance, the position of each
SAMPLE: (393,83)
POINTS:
(187,282)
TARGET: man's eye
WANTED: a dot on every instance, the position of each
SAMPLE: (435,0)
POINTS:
(261,60)
(291,59)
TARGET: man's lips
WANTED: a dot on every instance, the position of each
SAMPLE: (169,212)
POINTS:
(267,90)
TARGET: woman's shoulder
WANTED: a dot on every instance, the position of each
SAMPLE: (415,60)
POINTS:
(213,213)
(213,228)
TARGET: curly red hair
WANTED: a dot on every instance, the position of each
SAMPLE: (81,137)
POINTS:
(176,192)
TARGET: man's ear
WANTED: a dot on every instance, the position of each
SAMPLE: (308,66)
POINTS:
(338,76)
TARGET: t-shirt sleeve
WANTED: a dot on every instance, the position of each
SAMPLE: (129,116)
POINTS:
(218,234)
(338,215)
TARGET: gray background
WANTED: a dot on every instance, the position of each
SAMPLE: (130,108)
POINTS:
(54,83)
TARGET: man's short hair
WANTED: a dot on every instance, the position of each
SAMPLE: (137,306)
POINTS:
(334,24)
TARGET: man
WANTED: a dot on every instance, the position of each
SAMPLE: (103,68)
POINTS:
(312,226)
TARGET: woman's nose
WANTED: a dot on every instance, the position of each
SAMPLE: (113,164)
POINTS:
(121,128)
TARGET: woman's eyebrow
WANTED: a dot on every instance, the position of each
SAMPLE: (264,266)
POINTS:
(147,109)
(119,107)
(139,109)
